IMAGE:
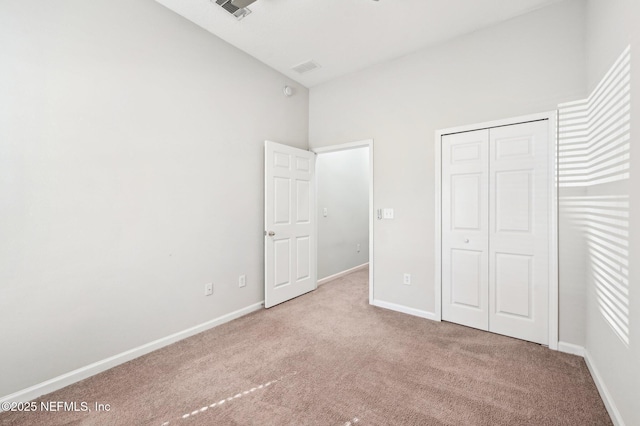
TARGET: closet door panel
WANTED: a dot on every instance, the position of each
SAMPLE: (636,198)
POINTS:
(465,228)
(519,231)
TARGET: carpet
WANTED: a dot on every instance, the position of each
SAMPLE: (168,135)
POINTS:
(329,358)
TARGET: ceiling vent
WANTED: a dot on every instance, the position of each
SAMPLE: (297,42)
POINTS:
(305,67)
(237,8)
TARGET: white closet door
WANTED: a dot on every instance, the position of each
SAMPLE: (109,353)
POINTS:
(519,231)
(465,228)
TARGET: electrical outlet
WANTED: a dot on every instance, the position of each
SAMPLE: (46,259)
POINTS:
(242,281)
(208,289)
(407,279)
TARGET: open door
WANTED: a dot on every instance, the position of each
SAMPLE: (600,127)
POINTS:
(290,223)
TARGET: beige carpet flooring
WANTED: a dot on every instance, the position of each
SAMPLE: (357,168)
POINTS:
(329,358)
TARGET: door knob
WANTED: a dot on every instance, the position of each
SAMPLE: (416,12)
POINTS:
(271,233)
(466,241)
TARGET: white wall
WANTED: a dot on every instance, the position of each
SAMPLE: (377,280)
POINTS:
(612,25)
(131,174)
(343,189)
(526,65)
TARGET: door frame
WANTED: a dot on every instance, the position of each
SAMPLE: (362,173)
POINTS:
(344,147)
(552,117)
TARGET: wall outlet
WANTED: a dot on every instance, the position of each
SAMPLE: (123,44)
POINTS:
(242,281)
(208,289)
(407,279)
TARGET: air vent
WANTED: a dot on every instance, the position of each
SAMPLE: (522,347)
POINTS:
(306,67)
(238,12)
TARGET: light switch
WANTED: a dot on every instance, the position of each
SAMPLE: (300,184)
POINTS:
(387,213)
(325,212)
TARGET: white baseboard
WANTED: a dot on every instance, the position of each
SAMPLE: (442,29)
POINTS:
(342,274)
(82,373)
(405,310)
(616,418)
(570,348)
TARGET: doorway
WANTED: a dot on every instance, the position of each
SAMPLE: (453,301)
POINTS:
(344,182)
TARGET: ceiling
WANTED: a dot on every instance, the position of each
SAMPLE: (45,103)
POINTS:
(344,36)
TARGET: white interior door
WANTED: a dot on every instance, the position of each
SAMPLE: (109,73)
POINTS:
(465,229)
(495,230)
(519,231)
(290,246)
